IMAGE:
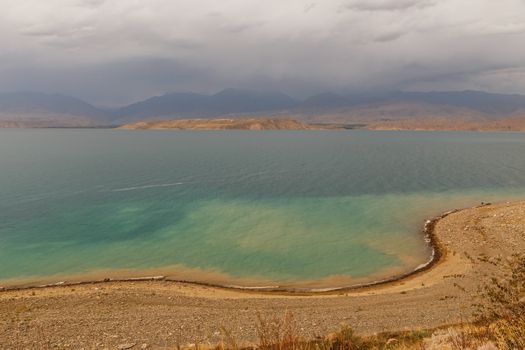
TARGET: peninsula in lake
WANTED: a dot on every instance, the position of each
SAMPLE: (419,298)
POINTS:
(221,124)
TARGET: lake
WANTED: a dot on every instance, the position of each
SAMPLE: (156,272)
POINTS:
(310,209)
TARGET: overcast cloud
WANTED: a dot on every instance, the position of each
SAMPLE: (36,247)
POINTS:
(116,51)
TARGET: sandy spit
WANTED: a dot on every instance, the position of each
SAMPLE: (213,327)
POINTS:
(473,243)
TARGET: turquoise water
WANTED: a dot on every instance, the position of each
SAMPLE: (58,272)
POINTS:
(306,208)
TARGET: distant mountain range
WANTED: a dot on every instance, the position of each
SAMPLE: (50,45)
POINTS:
(226,102)
(38,109)
(395,109)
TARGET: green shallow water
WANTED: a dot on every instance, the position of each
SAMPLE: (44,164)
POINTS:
(286,208)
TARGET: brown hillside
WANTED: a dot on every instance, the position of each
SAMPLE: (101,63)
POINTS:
(221,124)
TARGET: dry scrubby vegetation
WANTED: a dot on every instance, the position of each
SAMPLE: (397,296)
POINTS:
(281,333)
(500,324)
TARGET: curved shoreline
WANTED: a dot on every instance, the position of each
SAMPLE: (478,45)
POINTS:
(472,247)
(437,254)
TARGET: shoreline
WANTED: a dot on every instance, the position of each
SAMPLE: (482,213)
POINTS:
(429,236)
(473,245)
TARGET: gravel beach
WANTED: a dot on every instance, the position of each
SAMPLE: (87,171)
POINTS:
(474,243)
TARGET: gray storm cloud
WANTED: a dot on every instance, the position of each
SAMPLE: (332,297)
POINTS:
(116,51)
(387,5)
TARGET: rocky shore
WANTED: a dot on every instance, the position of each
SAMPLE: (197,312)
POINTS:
(473,246)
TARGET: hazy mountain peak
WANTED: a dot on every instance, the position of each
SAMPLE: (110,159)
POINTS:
(30,105)
(227,101)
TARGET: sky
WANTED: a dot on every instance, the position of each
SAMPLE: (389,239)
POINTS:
(113,52)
